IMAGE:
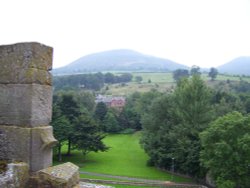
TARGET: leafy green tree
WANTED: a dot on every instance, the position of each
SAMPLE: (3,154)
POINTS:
(172,126)
(138,79)
(126,77)
(79,81)
(130,118)
(86,100)
(213,73)
(100,111)
(70,110)
(110,123)
(87,136)
(110,78)
(193,111)
(195,70)
(180,73)
(226,150)
(61,128)
(157,127)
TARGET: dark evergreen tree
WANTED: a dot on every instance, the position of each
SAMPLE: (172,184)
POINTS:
(71,111)
(195,70)
(88,136)
(179,74)
(100,111)
(110,123)
(213,73)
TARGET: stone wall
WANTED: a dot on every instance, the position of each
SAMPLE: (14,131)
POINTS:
(25,104)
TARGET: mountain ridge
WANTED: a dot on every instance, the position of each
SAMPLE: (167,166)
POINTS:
(118,60)
(238,66)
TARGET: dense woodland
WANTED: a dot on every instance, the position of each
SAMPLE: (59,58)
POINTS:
(200,129)
(89,81)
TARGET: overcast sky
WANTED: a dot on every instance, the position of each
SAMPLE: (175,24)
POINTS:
(192,32)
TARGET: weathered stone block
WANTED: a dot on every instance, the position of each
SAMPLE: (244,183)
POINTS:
(23,56)
(26,76)
(15,143)
(17,175)
(25,63)
(30,145)
(42,141)
(25,105)
(61,176)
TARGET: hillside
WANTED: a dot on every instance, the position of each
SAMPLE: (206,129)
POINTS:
(118,60)
(239,66)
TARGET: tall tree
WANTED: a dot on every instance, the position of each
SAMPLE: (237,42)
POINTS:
(195,70)
(100,111)
(172,126)
(87,136)
(110,123)
(213,73)
(226,150)
(194,112)
(180,73)
(61,128)
(138,79)
(86,100)
(70,110)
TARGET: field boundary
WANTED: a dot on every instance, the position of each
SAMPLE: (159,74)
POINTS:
(166,184)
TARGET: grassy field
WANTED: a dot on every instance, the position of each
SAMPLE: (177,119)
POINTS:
(124,158)
(162,82)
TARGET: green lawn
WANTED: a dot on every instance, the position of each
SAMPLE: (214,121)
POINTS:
(155,77)
(125,158)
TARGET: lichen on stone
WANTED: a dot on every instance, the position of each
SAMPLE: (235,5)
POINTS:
(3,166)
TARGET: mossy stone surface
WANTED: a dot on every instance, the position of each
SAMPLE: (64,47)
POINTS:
(25,63)
(61,176)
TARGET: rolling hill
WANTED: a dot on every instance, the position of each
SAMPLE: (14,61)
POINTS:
(118,60)
(238,66)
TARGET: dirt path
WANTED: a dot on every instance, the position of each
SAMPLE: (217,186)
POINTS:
(123,177)
(125,180)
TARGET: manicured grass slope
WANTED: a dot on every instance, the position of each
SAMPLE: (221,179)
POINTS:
(125,158)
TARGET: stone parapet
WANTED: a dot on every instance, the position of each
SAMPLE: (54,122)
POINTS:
(30,145)
(25,105)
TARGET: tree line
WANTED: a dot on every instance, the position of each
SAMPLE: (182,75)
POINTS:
(184,73)
(202,131)
(89,81)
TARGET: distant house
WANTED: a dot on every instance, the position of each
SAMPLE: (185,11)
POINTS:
(111,101)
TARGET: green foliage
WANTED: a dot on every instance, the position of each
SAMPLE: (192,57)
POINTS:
(195,70)
(110,123)
(72,122)
(84,81)
(87,135)
(138,79)
(193,112)
(86,100)
(226,150)
(180,73)
(100,111)
(213,73)
(61,128)
(172,126)
(93,81)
